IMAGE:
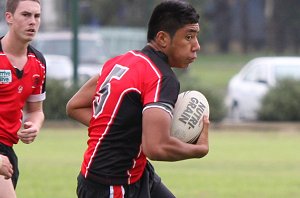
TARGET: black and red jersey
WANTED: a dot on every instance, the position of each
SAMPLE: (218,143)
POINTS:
(128,84)
(17,87)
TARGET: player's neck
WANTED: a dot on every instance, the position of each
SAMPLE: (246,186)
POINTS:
(13,45)
(155,46)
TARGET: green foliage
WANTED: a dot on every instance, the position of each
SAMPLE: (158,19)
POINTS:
(58,95)
(123,11)
(56,99)
(282,102)
(214,96)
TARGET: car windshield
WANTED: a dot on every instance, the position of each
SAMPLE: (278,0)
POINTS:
(283,71)
(90,52)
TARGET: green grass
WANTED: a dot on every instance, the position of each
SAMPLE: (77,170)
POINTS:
(49,167)
(240,164)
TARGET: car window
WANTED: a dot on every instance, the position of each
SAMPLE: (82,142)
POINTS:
(256,73)
(283,71)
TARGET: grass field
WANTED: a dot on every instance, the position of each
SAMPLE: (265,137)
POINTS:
(240,164)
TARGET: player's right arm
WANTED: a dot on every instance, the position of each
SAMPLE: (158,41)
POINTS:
(158,144)
(79,106)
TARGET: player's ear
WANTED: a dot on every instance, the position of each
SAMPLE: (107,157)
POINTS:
(162,38)
(8,17)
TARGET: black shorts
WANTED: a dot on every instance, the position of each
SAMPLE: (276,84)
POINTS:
(149,186)
(9,152)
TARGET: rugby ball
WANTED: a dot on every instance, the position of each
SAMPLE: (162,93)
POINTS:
(187,121)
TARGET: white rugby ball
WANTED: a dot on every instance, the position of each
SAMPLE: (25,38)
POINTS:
(187,121)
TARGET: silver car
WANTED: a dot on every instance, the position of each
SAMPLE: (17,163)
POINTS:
(247,88)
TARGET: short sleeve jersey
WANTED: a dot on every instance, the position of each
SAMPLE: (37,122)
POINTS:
(127,85)
(16,88)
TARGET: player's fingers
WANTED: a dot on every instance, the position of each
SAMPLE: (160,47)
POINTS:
(206,123)
(7,170)
(11,171)
(206,119)
(10,166)
(27,141)
(27,138)
(27,125)
(8,176)
(24,135)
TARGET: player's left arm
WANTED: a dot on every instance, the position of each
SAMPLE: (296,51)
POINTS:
(33,121)
(158,144)
(79,107)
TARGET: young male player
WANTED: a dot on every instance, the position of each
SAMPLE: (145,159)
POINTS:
(128,109)
(22,84)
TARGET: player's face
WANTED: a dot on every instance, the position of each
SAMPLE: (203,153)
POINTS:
(184,46)
(25,22)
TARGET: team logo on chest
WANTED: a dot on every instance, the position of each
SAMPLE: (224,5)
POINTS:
(20,89)
(5,76)
(36,80)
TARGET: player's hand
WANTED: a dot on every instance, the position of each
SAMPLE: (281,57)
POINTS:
(28,133)
(203,138)
(6,168)
(206,123)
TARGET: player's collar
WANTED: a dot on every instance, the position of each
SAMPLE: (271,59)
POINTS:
(158,53)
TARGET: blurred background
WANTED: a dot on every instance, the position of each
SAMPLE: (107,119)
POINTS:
(233,32)
(248,68)
(227,25)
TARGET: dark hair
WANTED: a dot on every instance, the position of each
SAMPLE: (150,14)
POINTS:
(169,16)
(11,5)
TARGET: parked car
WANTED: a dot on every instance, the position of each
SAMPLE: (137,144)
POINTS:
(91,49)
(249,86)
(59,68)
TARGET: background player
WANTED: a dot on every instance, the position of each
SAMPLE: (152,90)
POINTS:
(22,84)
(128,109)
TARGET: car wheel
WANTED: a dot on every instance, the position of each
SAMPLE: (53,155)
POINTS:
(235,112)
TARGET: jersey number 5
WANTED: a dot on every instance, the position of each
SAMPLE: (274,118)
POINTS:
(100,100)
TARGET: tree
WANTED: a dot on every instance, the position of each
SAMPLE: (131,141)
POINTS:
(283,25)
(126,12)
(218,13)
(122,13)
